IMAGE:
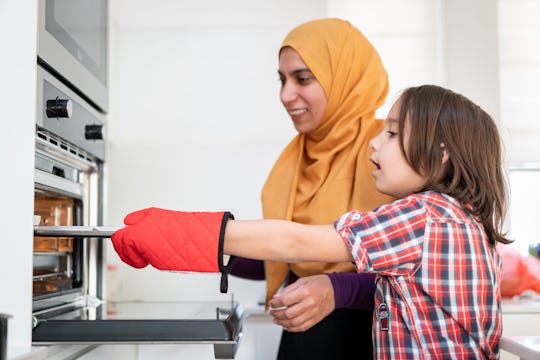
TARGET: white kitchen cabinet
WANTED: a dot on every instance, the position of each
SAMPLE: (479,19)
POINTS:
(17,100)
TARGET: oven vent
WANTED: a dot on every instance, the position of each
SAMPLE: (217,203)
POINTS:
(62,146)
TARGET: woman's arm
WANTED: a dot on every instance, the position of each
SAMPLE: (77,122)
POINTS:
(248,269)
(353,291)
(282,240)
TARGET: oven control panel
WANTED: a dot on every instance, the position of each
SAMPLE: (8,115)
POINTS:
(63,113)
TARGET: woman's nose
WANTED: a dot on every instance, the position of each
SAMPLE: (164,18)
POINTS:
(288,93)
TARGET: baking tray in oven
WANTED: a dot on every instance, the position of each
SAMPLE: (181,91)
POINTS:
(76,231)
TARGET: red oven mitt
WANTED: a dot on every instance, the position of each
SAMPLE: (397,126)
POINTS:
(174,240)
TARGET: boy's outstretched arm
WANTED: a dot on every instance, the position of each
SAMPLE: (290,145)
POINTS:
(281,240)
(196,241)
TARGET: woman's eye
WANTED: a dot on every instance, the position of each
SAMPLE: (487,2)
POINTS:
(304,79)
(391,134)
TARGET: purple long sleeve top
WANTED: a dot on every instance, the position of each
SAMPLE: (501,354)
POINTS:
(351,290)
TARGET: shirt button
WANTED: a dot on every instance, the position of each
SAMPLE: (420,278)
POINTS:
(356,216)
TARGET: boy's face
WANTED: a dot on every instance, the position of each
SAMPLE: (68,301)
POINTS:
(393,174)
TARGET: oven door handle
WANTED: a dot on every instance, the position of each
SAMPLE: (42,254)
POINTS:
(76,231)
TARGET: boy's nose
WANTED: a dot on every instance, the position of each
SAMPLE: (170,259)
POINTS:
(372,144)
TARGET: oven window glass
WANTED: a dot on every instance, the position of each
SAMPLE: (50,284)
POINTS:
(80,26)
(54,257)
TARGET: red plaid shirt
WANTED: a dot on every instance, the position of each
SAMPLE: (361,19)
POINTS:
(438,293)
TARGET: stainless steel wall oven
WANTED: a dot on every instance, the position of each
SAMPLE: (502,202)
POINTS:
(68,302)
(68,266)
(70,153)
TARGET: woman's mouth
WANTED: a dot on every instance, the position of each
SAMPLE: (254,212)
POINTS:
(297,112)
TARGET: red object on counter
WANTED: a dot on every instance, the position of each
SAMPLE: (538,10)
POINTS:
(520,273)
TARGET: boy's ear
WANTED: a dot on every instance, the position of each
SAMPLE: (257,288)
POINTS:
(446,156)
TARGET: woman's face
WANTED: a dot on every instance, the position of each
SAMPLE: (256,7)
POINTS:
(393,174)
(301,93)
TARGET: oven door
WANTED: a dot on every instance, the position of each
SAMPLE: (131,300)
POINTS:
(68,271)
(217,323)
(67,280)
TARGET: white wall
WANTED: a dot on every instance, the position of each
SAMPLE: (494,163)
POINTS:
(195,120)
(448,43)
(409,39)
(519,33)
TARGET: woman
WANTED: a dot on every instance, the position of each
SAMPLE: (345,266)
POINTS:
(333,81)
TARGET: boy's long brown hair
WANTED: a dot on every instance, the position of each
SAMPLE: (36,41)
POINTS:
(442,120)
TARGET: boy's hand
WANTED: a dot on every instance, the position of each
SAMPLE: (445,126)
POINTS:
(173,240)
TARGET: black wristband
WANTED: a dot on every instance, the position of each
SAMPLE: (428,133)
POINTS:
(225,269)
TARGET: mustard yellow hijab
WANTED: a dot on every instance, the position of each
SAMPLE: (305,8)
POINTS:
(326,173)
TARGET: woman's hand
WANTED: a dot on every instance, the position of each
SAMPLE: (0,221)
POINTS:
(308,300)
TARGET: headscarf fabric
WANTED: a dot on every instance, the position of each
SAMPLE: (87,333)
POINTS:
(326,173)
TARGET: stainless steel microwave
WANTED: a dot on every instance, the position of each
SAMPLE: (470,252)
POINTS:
(73,45)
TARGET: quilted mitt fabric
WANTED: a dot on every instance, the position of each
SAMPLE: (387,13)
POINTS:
(173,240)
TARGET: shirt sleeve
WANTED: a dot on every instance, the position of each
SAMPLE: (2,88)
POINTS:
(248,269)
(353,291)
(387,240)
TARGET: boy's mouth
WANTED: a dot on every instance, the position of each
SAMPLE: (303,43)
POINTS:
(377,166)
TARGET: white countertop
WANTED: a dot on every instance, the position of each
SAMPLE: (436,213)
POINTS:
(526,347)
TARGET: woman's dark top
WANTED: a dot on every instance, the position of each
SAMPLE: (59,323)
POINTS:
(343,334)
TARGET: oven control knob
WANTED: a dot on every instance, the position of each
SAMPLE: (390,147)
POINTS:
(93,132)
(59,108)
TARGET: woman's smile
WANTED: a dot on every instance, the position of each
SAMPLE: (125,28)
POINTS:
(297,112)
